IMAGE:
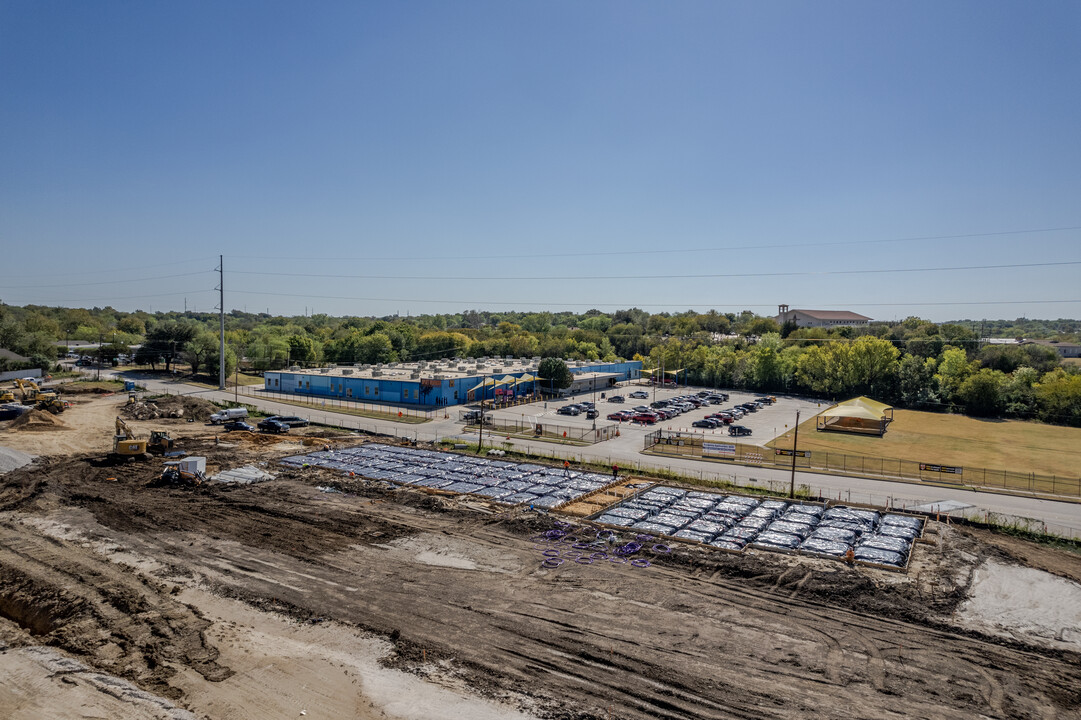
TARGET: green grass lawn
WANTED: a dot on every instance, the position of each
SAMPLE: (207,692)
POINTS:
(956,440)
(212,383)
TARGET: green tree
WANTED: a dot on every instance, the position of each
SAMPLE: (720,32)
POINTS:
(553,373)
(916,381)
(1059,397)
(982,393)
(198,352)
(953,369)
(301,349)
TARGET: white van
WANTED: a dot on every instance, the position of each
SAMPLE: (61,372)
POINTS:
(227,415)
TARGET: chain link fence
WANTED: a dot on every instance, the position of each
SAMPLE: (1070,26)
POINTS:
(317,402)
(691,445)
(528,428)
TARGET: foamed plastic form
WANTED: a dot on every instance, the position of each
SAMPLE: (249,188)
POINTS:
(497,481)
(724,522)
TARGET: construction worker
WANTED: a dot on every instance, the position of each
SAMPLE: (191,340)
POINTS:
(566,468)
(615,473)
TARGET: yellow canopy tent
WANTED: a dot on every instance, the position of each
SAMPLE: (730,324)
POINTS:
(487,383)
(859,415)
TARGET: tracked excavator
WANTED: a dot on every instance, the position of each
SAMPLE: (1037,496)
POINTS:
(40,399)
(128,445)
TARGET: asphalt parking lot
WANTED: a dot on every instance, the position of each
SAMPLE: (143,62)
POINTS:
(765,424)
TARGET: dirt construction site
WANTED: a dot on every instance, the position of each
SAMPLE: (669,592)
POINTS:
(318,594)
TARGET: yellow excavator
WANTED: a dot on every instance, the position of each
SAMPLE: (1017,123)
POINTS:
(40,399)
(126,444)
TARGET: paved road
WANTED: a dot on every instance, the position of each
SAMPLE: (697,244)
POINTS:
(626,451)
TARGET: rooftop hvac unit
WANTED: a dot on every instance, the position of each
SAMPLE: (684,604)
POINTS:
(377,373)
(508,357)
(347,371)
(461,368)
(414,375)
(324,371)
(437,376)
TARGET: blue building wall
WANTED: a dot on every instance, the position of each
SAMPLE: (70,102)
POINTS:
(409,392)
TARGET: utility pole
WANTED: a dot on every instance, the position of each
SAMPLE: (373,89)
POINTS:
(480,427)
(795,439)
(221,311)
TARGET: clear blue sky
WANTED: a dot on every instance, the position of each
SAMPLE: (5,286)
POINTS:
(442,156)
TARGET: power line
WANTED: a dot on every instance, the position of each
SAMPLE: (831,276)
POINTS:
(693,276)
(105,282)
(670,251)
(637,302)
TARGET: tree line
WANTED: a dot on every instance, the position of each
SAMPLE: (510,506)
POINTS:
(913,363)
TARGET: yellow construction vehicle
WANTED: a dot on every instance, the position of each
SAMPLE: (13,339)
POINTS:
(40,399)
(7,396)
(160,441)
(126,444)
(187,471)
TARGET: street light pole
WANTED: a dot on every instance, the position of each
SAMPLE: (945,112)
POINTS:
(795,439)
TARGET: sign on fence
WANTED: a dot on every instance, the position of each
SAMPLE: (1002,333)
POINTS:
(710,448)
(799,453)
(952,470)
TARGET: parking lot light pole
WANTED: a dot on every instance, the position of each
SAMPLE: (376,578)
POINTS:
(795,439)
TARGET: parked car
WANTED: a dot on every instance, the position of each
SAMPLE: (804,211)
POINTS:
(272,425)
(709,423)
(290,420)
(639,394)
(739,430)
(658,403)
(616,399)
(641,409)
(476,417)
(238,425)
(766,400)
(646,417)
(569,410)
(591,414)
(620,415)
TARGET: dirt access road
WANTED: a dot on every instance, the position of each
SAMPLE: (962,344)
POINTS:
(268,600)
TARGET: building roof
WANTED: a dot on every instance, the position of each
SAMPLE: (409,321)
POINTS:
(831,314)
(448,369)
(1052,343)
(9,355)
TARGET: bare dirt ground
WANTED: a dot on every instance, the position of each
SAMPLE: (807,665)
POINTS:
(273,599)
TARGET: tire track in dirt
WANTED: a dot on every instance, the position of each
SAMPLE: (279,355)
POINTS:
(136,630)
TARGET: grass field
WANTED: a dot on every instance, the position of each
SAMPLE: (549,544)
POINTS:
(956,440)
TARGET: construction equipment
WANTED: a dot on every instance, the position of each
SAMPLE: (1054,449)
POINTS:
(7,396)
(126,444)
(160,441)
(40,399)
(186,471)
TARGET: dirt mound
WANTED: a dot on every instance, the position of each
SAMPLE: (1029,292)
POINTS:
(256,438)
(171,406)
(36,420)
